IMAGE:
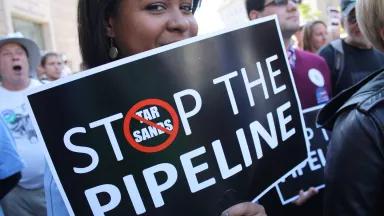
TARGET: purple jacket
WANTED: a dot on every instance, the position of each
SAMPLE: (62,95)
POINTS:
(312,78)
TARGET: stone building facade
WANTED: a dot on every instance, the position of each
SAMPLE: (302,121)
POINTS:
(50,23)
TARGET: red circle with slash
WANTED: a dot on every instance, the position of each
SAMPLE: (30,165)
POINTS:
(131,114)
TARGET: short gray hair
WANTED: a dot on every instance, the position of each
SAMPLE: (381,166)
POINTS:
(370,16)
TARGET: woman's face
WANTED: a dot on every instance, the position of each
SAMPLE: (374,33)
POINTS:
(141,25)
(319,36)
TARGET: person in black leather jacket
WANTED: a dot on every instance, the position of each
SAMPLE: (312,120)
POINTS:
(354,173)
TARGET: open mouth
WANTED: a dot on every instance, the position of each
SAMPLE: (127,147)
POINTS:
(16,68)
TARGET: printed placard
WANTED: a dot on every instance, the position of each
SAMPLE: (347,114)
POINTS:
(310,173)
(171,130)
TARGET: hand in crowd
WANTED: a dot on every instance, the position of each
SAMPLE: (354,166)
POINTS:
(245,209)
(304,196)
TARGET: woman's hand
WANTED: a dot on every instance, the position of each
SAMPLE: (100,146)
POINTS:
(304,196)
(245,209)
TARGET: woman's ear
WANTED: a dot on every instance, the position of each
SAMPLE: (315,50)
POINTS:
(253,14)
(381,31)
(109,26)
(382,34)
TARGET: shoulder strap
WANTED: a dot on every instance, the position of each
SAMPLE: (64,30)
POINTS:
(339,59)
(338,45)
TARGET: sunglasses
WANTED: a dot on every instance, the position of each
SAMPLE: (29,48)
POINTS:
(281,2)
(352,18)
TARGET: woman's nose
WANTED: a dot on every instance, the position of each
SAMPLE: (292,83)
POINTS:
(178,22)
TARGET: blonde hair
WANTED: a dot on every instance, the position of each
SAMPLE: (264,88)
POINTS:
(370,17)
(308,33)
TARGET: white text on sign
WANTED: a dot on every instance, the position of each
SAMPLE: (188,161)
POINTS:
(266,133)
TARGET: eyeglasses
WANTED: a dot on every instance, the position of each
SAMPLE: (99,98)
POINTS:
(351,18)
(281,2)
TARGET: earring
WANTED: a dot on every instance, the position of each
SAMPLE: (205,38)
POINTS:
(113,51)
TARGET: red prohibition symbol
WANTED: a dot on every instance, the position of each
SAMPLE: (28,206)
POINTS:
(131,114)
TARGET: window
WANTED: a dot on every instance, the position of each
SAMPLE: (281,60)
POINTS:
(29,29)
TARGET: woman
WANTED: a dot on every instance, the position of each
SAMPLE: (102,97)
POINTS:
(126,27)
(113,29)
(355,158)
(315,36)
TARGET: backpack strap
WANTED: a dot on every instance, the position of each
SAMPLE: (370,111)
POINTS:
(339,59)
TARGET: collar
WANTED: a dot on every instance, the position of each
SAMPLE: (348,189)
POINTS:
(291,52)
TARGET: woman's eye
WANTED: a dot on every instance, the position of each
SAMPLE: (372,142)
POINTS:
(156,7)
(186,8)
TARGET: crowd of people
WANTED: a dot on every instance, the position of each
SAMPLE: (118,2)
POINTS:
(344,74)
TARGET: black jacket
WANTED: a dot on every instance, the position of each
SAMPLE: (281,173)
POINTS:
(354,173)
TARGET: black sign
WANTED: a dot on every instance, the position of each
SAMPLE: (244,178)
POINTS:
(171,132)
(311,172)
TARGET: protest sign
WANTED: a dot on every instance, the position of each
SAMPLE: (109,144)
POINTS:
(311,172)
(169,131)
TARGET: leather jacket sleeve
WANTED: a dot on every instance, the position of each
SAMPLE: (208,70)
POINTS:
(354,173)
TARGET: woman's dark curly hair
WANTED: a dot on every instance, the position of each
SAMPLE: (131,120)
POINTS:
(93,39)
